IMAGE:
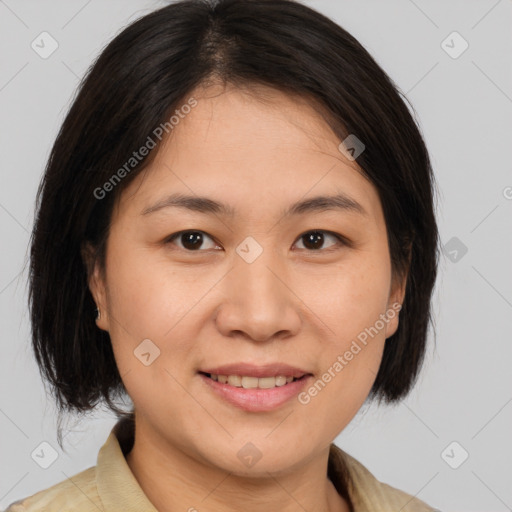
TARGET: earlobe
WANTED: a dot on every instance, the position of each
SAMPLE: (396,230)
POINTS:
(393,321)
(397,295)
(101,318)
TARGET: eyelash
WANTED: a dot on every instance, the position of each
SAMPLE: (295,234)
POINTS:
(342,241)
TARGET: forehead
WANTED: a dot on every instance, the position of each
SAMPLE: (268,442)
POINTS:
(247,148)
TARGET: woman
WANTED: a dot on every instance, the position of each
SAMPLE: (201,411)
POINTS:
(237,210)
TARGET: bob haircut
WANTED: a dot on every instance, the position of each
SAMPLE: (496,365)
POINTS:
(136,84)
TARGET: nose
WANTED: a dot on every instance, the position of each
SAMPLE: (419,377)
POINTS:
(258,301)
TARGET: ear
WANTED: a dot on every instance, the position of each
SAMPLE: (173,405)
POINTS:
(96,283)
(397,292)
(395,301)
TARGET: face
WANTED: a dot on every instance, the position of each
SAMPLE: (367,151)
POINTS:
(311,288)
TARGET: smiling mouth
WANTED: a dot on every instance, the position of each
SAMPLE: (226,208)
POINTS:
(248,382)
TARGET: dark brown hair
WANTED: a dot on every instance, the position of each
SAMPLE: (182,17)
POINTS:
(142,76)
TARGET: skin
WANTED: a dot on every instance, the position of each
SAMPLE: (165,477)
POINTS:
(293,304)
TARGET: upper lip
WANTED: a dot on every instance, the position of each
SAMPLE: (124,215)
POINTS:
(251,370)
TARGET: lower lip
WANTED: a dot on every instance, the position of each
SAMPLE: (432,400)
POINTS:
(256,399)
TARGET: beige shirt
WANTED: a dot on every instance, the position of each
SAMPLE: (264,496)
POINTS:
(110,486)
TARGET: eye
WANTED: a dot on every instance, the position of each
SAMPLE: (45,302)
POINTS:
(190,240)
(314,239)
(193,240)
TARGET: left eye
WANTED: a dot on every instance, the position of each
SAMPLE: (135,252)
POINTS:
(192,240)
(317,237)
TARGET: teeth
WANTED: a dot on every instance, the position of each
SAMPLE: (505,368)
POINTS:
(252,382)
(235,380)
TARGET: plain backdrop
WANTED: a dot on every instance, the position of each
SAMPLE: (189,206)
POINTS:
(462,404)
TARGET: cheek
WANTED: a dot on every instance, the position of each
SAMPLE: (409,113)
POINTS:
(151,299)
(139,303)
(145,291)
(349,297)
(349,304)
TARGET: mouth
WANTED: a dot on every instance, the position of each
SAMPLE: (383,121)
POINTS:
(251,382)
(254,394)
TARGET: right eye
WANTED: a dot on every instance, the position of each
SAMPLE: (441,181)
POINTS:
(190,240)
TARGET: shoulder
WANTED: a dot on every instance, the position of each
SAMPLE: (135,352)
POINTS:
(77,493)
(370,494)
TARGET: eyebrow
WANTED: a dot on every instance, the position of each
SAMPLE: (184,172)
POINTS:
(340,201)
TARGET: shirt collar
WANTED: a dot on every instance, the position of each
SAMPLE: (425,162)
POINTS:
(117,487)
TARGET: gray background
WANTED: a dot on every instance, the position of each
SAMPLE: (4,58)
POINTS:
(464,107)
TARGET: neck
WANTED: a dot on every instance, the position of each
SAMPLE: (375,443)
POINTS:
(174,479)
